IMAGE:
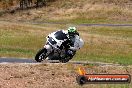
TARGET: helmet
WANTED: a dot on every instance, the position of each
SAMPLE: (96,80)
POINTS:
(72,31)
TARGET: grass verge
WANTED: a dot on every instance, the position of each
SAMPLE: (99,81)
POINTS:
(105,44)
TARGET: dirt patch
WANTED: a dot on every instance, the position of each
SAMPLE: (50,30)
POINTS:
(35,76)
(50,75)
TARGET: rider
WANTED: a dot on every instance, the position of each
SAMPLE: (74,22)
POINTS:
(72,34)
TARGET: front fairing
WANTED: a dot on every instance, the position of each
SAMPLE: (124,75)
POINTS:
(60,35)
(57,38)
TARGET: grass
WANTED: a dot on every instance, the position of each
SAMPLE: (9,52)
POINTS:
(21,41)
(105,44)
(83,11)
(96,11)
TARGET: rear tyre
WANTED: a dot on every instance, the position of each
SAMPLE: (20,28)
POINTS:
(65,59)
(41,55)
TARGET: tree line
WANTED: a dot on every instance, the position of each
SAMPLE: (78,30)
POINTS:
(23,4)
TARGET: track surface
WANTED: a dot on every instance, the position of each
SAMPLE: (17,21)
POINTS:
(16,60)
(32,61)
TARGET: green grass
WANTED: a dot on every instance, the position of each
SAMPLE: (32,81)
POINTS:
(20,42)
(103,44)
(10,52)
(107,44)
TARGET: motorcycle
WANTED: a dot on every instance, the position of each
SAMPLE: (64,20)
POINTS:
(51,50)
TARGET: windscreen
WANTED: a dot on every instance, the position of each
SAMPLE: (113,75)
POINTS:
(60,35)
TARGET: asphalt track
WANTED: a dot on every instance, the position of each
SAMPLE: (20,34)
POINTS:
(4,60)
(24,60)
(16,60)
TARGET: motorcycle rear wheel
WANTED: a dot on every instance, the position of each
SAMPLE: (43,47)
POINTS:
(41,55)
(65,59)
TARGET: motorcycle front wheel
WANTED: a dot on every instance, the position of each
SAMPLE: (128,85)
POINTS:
(41,55)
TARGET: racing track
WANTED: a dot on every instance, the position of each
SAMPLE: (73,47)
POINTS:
(5,60)
(16,60)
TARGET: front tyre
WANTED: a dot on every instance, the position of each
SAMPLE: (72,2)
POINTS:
(41,55)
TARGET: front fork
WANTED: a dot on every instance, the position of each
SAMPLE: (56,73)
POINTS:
(49,49)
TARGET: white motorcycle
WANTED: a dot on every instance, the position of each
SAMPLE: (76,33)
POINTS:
(52,51)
